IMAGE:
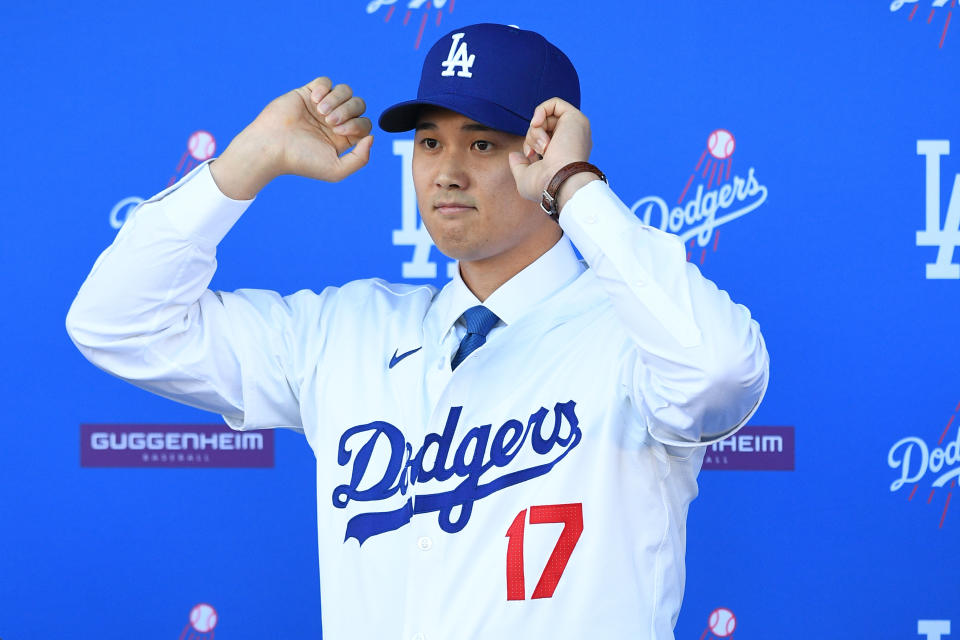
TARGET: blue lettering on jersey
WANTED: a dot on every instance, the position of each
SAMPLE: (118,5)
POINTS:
(475,454)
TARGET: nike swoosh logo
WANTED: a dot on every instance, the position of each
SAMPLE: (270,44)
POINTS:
(395,359)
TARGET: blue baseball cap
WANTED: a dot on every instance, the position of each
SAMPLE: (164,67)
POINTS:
(491,73)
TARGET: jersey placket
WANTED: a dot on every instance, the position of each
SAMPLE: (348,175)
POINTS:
(427,544)
(423,541)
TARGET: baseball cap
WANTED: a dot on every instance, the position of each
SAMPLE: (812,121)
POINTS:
(492,73)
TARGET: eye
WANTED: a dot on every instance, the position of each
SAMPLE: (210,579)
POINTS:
(429,143)
(483,145)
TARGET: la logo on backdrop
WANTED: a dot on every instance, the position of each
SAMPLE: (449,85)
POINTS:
(916,461)
(934,17)
(947,237)
(933,629)
(201,145)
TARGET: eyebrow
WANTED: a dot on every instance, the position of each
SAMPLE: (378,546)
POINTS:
(429,126)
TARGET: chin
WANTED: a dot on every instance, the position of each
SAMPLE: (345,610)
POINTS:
(460,253)
(463,250)
(454,243)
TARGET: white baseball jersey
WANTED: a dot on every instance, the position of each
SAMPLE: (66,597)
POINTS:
(539,490)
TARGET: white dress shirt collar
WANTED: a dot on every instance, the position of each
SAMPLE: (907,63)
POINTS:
(542,278)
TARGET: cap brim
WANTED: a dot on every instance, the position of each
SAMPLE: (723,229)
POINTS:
(403,116)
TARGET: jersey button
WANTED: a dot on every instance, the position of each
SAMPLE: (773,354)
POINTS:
(424,543)
(419,636)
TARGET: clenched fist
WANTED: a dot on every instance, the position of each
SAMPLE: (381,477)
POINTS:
(306,132)
(559,134)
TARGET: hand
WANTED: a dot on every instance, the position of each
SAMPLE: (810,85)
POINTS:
(559,134)
(304,132)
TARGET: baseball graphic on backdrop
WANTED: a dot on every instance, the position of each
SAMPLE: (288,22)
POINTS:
(201,145)
(203,617)
(721,144)
(722,622)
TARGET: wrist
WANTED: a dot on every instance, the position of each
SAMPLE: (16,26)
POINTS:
(564,183)
(244,168)
(571,185)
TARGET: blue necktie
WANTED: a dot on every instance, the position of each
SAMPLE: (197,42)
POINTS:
(479,321)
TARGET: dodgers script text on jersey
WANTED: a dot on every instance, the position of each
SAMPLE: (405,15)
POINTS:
(468,460)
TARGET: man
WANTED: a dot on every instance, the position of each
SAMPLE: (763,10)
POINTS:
(451,427)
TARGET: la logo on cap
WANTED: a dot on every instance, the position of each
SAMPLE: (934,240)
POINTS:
(458,58)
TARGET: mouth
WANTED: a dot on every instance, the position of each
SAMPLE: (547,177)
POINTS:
(451,208)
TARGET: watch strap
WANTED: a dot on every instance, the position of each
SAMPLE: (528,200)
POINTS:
(548,202)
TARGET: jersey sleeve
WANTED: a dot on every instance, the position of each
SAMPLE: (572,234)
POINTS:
(700,366)
(145,314)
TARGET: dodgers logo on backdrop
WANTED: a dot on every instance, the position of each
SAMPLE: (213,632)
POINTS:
(201,146)
(713,195)
(946,237)
(120,211)
(200,623)
(381,460)
(720,624)
(916,461)
(413,5)
(934,17)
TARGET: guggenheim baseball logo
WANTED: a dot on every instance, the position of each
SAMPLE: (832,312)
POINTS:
(173,446)
(713,195)
(752,449)
(917,462)
(946,237)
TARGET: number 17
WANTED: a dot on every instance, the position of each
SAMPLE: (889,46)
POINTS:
(571,515)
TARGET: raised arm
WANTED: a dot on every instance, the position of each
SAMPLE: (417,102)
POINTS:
(701,367)
(144,312)
(305,132)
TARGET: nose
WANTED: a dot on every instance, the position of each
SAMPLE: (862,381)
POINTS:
(451,172)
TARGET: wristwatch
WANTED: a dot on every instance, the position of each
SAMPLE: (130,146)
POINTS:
(549,200)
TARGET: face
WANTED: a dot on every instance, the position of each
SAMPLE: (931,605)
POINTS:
(467,195)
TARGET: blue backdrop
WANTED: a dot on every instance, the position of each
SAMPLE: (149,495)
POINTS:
(826,104)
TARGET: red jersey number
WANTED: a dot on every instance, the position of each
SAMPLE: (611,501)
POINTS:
(571,515)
